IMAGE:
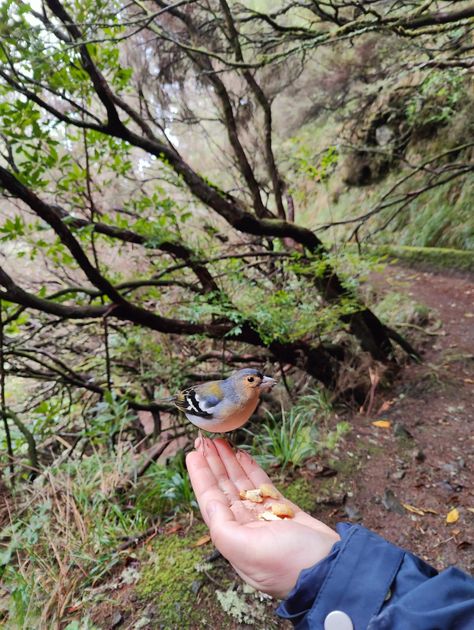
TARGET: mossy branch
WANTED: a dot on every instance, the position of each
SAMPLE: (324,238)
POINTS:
(30,440)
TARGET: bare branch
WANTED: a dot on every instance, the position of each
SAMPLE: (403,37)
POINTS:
(259,94)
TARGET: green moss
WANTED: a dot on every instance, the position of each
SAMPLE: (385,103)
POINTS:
(301,492)
(429,257)
(345,466)
(308,496)
(397,308)
(169,579)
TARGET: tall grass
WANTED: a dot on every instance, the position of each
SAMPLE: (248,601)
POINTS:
(71,528)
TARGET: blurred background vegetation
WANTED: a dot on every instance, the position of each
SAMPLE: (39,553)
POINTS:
(189,188)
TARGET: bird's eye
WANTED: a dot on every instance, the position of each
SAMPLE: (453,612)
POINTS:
(250,379)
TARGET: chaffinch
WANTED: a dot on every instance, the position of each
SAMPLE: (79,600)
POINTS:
(220,406)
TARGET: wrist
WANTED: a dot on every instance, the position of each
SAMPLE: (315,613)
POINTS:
(316,550)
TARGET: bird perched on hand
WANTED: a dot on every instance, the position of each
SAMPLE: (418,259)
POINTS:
(220,406)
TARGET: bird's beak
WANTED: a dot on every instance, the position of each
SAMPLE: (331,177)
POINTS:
(267,382)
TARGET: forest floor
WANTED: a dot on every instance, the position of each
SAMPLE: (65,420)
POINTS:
(400,479)
(409,476)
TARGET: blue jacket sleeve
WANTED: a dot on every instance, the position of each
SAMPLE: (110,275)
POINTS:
(379,587)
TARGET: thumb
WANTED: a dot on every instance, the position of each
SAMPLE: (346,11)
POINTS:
(218,514)
(224,529)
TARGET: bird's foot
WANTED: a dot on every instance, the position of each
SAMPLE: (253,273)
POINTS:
(231,439)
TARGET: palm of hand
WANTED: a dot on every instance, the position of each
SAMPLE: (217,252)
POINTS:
(267,555)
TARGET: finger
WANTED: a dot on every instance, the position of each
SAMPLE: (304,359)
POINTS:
(219,471)
(253,471)
(207,490)
(204,483)
(232,465)
(202,478)
(227,535)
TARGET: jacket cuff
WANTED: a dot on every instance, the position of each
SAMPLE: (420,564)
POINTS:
(360,568)
(300,600)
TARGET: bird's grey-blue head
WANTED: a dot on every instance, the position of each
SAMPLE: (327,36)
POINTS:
(252,378)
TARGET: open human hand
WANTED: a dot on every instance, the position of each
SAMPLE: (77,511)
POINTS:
(268,555)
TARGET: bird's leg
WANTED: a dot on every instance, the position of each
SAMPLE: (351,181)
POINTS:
(231,439)
(201,444)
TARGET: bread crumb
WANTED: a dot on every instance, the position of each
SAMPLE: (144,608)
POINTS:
(282,510)
(252,495)
(267,490)
(268,516)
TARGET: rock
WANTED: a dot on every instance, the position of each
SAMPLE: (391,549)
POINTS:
(450,468)
(391,503)
(398,474)
(314,467)
(337,498)
(418,455)
(401,431)
(384,135)
(196,586)
(454,467)
(116,620)
(320,470)
(352,512)
(451,486)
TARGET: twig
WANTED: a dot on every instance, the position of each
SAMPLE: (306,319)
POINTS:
(29,437)
(134,541)
(3,405)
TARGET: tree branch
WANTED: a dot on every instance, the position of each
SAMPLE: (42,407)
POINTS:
(29,437)
(100,84)
(203,62)
(259,94)
(67,376)
(177,250)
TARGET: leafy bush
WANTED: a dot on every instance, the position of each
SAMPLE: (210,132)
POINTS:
(285,440)
(439,96)
(296,434)
(166,489)
(284,307)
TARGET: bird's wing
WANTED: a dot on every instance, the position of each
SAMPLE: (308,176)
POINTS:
(197,402)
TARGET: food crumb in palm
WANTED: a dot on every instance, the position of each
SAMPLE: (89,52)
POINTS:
(268,516)
(254,495)
(269,491)
(282,510)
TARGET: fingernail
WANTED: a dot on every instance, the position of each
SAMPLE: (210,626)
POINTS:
(197,443)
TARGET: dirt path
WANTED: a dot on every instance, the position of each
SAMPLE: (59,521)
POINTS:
(426,458)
